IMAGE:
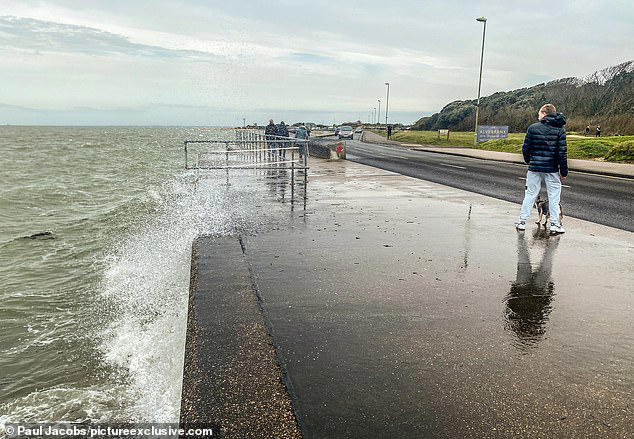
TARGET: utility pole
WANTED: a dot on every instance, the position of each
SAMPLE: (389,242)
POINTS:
(387,101)
(378,117)
(484,29)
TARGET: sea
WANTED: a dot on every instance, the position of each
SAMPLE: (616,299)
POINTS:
(96,228)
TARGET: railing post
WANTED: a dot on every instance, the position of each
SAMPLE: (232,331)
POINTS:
(292,176)
(305,170)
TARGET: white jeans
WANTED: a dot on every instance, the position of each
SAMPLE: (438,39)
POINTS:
(533,185)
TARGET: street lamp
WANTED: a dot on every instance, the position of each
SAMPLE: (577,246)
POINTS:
(378,116)
(484,29)
(373,115)
(387,101)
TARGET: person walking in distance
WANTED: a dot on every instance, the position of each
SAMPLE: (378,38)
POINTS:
(271,132)
(301,132)
(282,130)
(587,130)
(389,131)
(546,154)
(598,133)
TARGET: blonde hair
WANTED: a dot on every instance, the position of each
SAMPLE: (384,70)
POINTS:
(548,109)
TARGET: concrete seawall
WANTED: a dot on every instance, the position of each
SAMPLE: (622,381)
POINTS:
(232,381)
(327,148)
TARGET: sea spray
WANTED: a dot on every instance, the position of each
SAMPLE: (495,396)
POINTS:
(147,281)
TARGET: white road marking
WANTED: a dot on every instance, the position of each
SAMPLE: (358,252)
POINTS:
(445,194)
(452,166)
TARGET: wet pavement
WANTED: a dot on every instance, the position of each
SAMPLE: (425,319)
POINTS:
(402,308)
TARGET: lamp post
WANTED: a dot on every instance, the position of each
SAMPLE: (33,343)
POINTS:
(484,29)
(387,101)
(373,115)
(378,116)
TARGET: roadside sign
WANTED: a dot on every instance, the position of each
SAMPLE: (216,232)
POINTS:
(492,132)
(443,133)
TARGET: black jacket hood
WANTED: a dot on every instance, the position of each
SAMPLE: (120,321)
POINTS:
(555,119)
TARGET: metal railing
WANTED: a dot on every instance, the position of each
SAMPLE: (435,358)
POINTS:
(250,150)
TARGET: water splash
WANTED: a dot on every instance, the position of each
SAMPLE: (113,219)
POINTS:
(147,282)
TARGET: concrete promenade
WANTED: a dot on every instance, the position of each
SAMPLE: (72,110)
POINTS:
(590,166)
(400,308)
(232,381)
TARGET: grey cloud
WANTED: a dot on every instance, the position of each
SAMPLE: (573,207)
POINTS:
(27,33)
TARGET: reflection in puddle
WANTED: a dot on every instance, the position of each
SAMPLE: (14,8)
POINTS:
(529,303)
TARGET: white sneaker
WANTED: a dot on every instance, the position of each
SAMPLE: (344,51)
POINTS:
(556,228)
(520,225)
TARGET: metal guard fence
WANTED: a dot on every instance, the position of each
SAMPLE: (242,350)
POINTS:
(249,151)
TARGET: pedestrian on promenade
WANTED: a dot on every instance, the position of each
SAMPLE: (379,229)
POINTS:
(389,131)
(598,133)
(587,130)
(282,130)
(271,132)
(546,154)
(302,133)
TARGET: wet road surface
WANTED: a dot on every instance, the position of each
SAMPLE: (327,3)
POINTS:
(600,199)
(402,308)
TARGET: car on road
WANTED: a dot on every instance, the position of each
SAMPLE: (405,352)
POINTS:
(358,130)
(346,132)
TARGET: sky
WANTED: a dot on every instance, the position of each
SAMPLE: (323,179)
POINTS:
(205,62)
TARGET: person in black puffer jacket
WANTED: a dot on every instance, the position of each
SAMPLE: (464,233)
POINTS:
(545,152)
(271,133)
(282,130)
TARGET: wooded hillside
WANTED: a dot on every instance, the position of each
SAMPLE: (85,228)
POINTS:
(604,98)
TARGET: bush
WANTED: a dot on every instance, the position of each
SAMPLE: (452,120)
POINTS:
(591,149)
(621,152)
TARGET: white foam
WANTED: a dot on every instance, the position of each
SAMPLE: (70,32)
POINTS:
(63,404)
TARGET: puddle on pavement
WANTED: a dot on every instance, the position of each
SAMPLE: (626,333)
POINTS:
(530,300)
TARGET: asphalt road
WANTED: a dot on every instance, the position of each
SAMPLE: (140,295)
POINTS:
(600,199)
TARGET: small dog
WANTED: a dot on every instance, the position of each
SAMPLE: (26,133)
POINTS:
(542,210)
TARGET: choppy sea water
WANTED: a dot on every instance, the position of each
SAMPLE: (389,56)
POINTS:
(96,226)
